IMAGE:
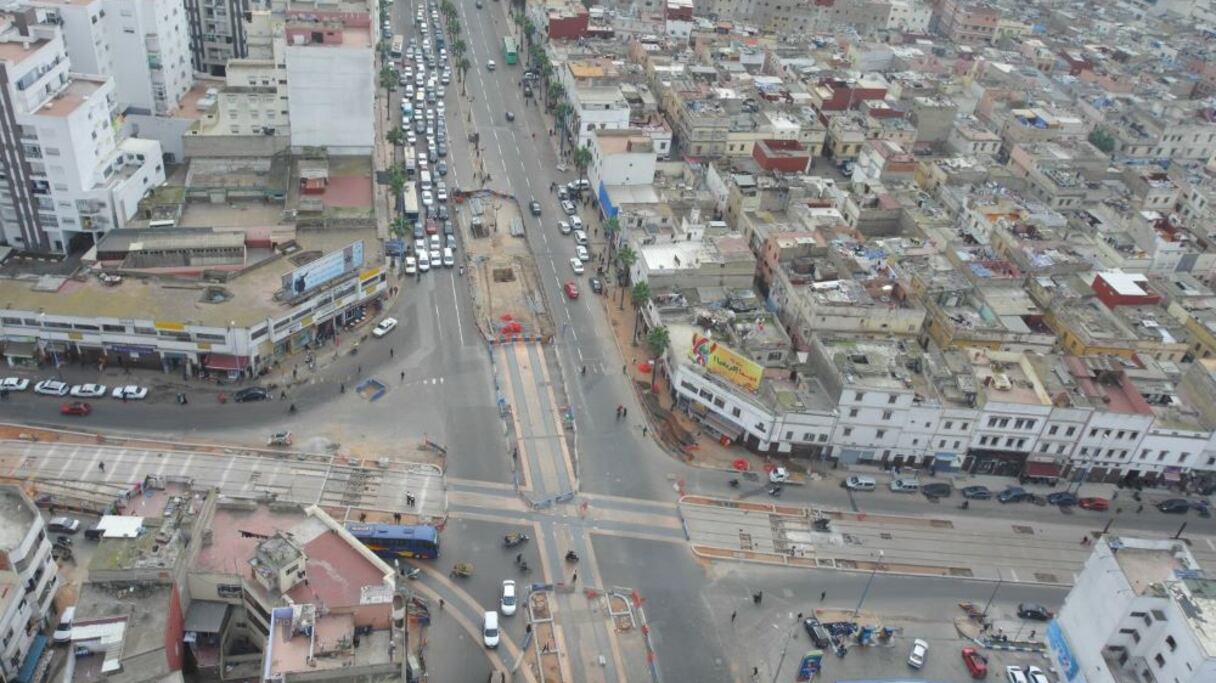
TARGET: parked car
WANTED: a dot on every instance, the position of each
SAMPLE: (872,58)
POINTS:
(63,629)
(581,252)
(818,633)
(250,394)
(1094,503)
(63,525)
(1013,494)
(976,665)
(78,408)
(568,207)
(131,392)
(14,384)
(577,266)
(1174,506)
(779,475)
(52,387)
(571,289)
(597,285)
(920,650)
(88,390)
(1034,611)
(507,602)
(937,489)
(905,485)
(976,492)
(860,483)
(1064,499)
(1014,674)
(534,207)
(1036,675)
(387,325)
(564,227)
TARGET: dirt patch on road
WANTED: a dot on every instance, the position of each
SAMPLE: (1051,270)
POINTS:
(504,277)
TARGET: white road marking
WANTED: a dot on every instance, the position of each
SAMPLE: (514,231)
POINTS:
(456,303)
(1014,575)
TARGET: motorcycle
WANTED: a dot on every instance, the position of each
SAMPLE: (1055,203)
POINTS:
(413,573)
(734,483)
(964,505)
(774,491)
(571,556)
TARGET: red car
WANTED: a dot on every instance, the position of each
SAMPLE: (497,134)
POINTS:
(571,290)
(977,666)
(75,408)
(1097,504)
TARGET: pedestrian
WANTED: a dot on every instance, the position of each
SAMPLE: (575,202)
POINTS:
(342,388)
(403,375)
(733,615)
(823,596)
(624,412)
(757,597)
(441,603)
(755,671)
(1139,508)
(397,517)
(295,372)
(519,558)
(101,466)
(574,577)
(583,371)
(359,369)
(644,430)
(1032,632)
(283,395)
(624,369)
(391,352)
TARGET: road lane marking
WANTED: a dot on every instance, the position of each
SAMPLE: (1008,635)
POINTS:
(456,303)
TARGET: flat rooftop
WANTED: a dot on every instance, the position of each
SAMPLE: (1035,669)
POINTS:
(16,515)
(78,92)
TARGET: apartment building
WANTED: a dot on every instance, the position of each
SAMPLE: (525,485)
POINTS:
(969,22)
(149,46)
(28,584)
(70,176)
(218,32)
(596,108)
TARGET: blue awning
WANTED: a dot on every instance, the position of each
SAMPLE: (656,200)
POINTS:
(31,659)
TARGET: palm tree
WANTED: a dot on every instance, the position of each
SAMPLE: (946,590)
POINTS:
(555,92)
(658,340)
(454,27)
(582,159)
(388,77)
(640,296)
(458,48)
(560,113)
(611,226)
(625,258)
(397,179)
(396,136)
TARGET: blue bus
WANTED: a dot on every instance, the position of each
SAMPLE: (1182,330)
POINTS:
(391,541)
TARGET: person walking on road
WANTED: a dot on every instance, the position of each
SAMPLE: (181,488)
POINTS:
(733,615)
(822,596)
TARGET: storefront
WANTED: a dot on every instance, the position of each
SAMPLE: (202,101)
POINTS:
(21,354)
(134,355)
(231,367)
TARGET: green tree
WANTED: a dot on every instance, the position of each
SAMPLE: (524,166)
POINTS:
(458,48)
(396,136)
(625,258)
(454,27)
(640,296)
(388,77)
(555,92)
(582,159)
(611,227)
(397,180)
(658,339)
(1102,139)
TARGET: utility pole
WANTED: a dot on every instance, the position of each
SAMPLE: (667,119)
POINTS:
(403,593)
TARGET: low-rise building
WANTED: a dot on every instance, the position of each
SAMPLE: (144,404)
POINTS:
(28,583)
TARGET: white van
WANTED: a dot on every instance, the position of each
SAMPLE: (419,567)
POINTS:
(63,631)
(449,259)
(860,483)
(489,629)
(905,485)
(424,179)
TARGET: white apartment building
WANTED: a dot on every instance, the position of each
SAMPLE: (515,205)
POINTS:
(1141,610)
(218,32)
(597,108)
(150,43)
(331,77)
(621,157)
(68,175)
(28,582)
(84,34)
(909,15)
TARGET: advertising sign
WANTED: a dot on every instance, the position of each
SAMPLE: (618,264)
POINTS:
(721,360)
(329,267)
(1062,652)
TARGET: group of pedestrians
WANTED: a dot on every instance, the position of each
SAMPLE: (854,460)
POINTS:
(621,412)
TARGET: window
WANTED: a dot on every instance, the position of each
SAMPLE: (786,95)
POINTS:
(1173,644)
(1070,431)
(848,431)
(892,399)
(859,395)
(853,412)
(720,402)
(949,425)
(879,433)
(1093,432)
(1182,458)
(823,438)
(886,414)
(789,436)
(1131,632)
(956,443)
(736,412)
(1051,431)
(1160,660)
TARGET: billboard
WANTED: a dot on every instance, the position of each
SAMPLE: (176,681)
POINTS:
(723,361)
(329,267)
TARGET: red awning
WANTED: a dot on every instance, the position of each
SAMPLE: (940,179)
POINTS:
(1042,469)
(223,361)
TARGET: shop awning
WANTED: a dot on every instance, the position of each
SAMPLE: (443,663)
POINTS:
(205,616)
(30,665)
(1042,469)
(223,361)
(19,349)
(722,426)
(1172,475)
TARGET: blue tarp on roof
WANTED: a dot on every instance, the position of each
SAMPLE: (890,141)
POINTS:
(26,674)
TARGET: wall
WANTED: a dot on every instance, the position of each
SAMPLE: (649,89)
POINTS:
(238,146)
(165,130)
(331,94)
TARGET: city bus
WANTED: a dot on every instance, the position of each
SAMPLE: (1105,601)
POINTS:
(398,47)
(410,203)
(509,52)
(391,541)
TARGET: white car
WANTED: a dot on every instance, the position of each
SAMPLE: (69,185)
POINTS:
(581,252)
(1036,675)
(580,237)
(577,266)
(507,603)
(427,198)
(14,384)
(916,658)
(51,387)
(88,390)
(436,257)
(568,207)
(411,265)
(489,629)
(779,475)
(424,262)
(387,325)
(1014,674)
(131,392)
(576,222)
(564,227)
(442,193)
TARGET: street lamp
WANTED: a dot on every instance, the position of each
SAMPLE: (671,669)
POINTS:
(1000,579)
(869,581)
